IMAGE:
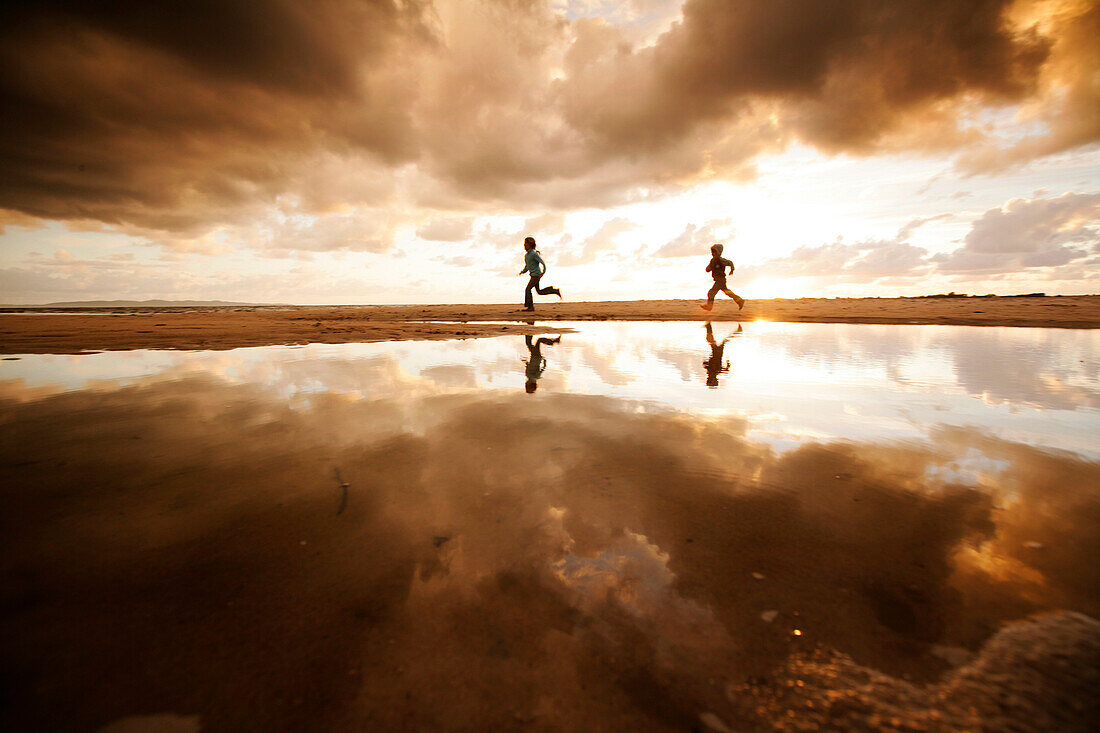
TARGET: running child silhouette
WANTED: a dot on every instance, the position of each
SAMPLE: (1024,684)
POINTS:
(534,264)
(536,365)
(714,365)
(717,269)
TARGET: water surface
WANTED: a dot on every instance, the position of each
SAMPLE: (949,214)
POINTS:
(642,526)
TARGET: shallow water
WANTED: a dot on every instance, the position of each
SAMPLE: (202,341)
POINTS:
(652,537)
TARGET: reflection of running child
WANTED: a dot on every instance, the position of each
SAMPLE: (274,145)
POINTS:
(535,265)
(536,365)
(717,269)
(714,365)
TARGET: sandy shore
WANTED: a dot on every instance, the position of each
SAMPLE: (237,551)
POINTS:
(226,328)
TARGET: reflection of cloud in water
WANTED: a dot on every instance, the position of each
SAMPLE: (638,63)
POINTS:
(1050,516)
(1046,368)
(579,562)
(851,381)
(1003,369)
(605,362)
(451,375)
(634,574)
(682,360)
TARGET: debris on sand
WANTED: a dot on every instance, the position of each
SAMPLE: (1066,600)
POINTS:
(1041,674)
(343,492)
(714,723)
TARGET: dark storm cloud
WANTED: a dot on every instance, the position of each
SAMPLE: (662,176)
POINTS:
(1071,114)
(270,43)
(848,73)
(182,117)
(176,115)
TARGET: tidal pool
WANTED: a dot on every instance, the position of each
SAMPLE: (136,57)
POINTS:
(638,527)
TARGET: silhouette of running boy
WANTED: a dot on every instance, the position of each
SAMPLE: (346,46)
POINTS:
(714,364)
(535,265)
(717,269)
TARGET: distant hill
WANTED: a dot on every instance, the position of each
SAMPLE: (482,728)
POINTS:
(139,304)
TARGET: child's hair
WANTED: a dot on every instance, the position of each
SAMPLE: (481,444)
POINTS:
(716,248)
(529,243)
(531,386)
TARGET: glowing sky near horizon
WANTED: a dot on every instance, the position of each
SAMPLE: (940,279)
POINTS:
(398,152)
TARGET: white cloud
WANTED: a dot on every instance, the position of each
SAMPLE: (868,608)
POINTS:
(601,242)
(361,230)
(1054,237)
(447,229)
(696,241)
(1027,233)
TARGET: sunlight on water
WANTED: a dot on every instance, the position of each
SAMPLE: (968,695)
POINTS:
(791,380)
(657,524)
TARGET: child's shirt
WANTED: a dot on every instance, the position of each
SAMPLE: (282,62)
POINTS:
(532,263)
(717,267)
(535,366)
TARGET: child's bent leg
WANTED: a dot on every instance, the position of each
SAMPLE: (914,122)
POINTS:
(737,298)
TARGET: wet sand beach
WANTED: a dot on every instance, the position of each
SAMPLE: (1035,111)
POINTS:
(49,331)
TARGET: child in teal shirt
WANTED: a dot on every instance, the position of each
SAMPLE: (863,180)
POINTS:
(534,265)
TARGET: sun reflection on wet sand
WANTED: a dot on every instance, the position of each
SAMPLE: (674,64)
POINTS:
(382,548)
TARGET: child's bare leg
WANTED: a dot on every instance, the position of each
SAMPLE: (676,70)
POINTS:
(711,294)
(737,298)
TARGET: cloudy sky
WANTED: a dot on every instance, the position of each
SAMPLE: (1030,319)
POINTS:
(397,151)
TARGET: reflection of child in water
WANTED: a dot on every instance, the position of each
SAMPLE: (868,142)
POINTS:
(714,365)
(536,365)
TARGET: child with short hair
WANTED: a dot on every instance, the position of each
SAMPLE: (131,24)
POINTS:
(717,269)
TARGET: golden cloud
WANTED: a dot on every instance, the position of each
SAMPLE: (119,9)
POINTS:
(184,117)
